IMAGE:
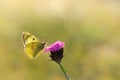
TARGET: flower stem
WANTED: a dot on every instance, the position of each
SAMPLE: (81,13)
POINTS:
(66,75)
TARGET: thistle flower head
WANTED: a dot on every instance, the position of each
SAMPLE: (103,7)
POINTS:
(56,50)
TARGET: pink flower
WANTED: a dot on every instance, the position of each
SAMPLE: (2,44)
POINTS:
(55,46)
(56,50)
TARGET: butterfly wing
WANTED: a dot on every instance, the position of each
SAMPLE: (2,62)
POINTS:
(34,49)
(32,46)
(28,38)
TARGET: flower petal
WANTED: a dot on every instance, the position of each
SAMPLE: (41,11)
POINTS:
(55,46)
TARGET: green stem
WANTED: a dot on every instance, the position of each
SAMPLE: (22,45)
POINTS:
(66,75)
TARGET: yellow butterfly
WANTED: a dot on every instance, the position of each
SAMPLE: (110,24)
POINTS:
(32,46)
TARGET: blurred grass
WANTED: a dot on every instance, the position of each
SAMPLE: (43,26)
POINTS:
(90,30)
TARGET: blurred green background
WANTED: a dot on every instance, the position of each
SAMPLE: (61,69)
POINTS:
(89,28)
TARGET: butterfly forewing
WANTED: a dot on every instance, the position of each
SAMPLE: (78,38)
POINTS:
(28,38)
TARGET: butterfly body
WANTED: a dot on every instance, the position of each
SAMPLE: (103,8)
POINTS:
(32,46)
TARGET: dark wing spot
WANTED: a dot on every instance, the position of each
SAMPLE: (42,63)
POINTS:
(33,38)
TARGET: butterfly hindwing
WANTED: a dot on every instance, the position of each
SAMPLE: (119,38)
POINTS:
(33,49)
